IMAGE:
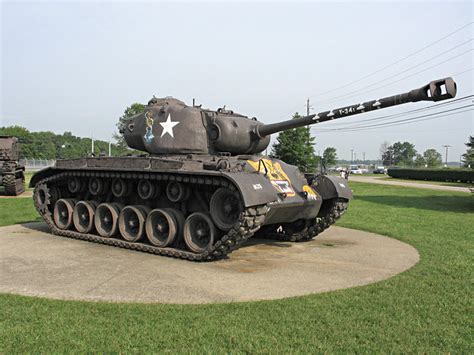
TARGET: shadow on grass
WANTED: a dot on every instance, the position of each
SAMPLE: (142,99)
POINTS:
(459,204)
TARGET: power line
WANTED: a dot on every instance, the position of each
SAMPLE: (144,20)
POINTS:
(397,61)
(430,116)
(399,73)
(401,79)
(412,119)
(389,65)
(405,113)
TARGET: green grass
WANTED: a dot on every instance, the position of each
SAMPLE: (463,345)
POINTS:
(17,210)
(28,175)
(427,309)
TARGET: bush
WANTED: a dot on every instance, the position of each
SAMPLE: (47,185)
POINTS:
(462,175)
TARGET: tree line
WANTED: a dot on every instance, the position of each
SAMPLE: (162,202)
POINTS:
(405,154)
(49,145)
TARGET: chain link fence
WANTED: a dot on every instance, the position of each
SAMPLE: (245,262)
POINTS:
(37,164)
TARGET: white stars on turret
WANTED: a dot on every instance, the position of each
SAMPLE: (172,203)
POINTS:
(168,126)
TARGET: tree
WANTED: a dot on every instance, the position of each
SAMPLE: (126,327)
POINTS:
(295,146)
(419,161)
(400,154)
(329,156)
(132,110)
(432,158)
(468,157)
(384,153)
(49,145)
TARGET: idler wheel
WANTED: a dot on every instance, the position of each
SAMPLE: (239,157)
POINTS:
(162,227)
(106,218)
(132,222)
(199,232)
(119,187)
(74,184)
(62,214)
(176,191)
(97,186)
(146,189)
(225,208)
(83,216)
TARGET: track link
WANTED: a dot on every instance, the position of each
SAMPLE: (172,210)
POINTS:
(250,220)
(13,186)
(337,208)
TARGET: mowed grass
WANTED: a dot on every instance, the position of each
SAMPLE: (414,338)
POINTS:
(427,309)
(15,210)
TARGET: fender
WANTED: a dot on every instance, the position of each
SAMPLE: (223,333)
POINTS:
(330,187)
(42,174)
(255,188)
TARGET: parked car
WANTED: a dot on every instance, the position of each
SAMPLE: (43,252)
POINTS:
(354,169)
(380,170)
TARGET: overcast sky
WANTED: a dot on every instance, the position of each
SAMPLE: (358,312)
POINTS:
(75,66)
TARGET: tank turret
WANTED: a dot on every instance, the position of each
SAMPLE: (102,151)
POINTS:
(169,126)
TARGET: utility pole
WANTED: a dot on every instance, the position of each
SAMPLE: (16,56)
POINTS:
(110,148)
(447,146)
(352,156)
(308,107)
(92,144)
(363,154)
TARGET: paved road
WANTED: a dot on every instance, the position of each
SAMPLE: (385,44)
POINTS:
(36,263)
(381,181)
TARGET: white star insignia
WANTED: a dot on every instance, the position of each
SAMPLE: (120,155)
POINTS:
(168,126)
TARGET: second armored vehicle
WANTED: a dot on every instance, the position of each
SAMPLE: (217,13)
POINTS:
(12,173)
(202,189)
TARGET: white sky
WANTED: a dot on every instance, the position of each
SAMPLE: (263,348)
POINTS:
(76,66)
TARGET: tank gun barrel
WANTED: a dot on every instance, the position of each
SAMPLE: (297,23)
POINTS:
(436,90)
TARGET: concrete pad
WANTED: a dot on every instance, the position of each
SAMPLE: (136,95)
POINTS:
(36,263)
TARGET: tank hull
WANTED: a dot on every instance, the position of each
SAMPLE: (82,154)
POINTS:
(257,191)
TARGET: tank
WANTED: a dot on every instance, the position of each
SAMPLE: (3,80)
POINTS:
(201,188)
(12,173)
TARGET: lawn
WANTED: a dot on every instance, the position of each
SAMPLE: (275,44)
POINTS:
(427,309)
(17,210)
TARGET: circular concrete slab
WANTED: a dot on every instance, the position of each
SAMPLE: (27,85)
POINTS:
(36,263)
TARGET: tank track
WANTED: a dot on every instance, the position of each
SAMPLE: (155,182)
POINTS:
(336,209)
(13,186)
(250,220)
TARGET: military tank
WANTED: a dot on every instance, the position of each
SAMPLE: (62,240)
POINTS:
(201,189)
(12,173)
